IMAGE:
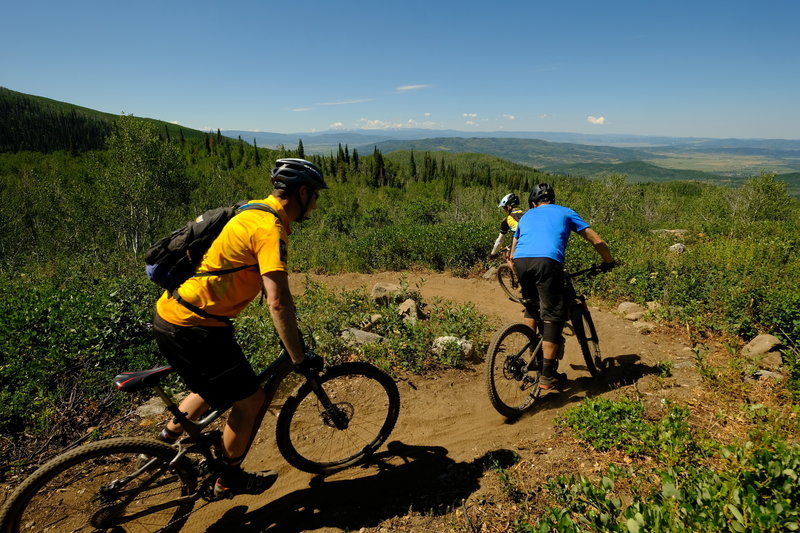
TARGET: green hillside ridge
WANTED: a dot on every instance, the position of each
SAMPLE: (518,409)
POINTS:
(637,171)
(532,152)
(40,124)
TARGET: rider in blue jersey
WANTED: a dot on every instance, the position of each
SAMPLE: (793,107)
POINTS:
(538,257)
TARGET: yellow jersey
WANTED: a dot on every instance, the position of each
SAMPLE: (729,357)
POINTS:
(252,237)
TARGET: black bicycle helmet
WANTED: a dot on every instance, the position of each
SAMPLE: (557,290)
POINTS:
(541,193)
(291,173)
(509,199)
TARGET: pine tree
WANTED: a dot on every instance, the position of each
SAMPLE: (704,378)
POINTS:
(255,149)
(301,153)
(379,171)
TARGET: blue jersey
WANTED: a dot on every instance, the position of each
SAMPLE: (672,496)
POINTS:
(544,230)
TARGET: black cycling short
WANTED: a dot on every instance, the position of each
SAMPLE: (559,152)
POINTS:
(542,281)
(208,359)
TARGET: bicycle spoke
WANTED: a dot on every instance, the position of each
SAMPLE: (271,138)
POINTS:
(361,405)
(102,487)
(511,382)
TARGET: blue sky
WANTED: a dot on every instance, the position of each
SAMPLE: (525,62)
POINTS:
(699,68)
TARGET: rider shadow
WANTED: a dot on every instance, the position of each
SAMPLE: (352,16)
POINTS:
(425,481)
(620,370)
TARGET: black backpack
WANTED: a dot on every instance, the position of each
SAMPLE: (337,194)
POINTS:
(174,259)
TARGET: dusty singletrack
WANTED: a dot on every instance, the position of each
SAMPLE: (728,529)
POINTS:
(447,436)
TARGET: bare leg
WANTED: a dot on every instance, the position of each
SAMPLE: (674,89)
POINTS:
(530,322)
(550,350)
(194,406)
(243,422)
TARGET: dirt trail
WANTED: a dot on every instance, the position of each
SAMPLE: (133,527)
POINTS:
(447,431)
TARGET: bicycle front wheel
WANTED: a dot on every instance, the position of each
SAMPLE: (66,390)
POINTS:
(509,282)
(342,424)
(122,484)
(585,332)
(512,388)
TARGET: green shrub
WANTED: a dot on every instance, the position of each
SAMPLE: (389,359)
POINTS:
(63,343)
(748,487)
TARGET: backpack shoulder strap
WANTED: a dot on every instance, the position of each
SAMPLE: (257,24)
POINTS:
(202,312)
(198,310)
(259,206)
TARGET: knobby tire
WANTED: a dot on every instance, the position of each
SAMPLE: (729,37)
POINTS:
(586,333)
(512,390)
(73,491)
(364,410)
(509,282)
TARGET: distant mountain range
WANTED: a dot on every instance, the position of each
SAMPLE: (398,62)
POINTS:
(641,158)
(362,137)
(41,124)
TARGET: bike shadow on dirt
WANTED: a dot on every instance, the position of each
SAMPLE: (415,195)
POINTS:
(619,371)
(402,479)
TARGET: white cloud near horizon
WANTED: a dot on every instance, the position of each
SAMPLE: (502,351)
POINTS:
(509,117)
(471,123)
(347,102)
(336,126)
(406,88)
(596,120)
(470,115)
(377,124)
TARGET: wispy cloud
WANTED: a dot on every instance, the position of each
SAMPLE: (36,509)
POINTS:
(336,126)
(470,115)
(427,115)
(347,102)
(471,123)
(509,117)
(406,88)
(376,124)
(301,109)
(596,120)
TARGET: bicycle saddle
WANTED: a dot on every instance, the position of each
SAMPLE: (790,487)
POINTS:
(136,381)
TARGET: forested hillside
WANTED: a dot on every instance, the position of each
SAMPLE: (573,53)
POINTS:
(44,125)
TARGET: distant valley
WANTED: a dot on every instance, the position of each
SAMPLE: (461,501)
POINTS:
(641,158)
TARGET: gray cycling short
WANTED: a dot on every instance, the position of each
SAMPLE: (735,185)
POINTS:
(208,359)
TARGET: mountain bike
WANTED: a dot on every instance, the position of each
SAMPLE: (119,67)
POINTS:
(514,359)
(334,419)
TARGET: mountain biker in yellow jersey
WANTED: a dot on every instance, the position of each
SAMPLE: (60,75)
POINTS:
(538,257)
(510,204)
(193,328)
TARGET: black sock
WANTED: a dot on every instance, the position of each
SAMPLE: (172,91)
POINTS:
(549,368)
(169,436)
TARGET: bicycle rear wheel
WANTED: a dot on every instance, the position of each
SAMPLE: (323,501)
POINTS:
(585,332)
(511,388)
(123,484)
(362,408)
(509,282)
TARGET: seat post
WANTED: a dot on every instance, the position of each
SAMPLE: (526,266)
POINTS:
(172,407)
(179,417)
